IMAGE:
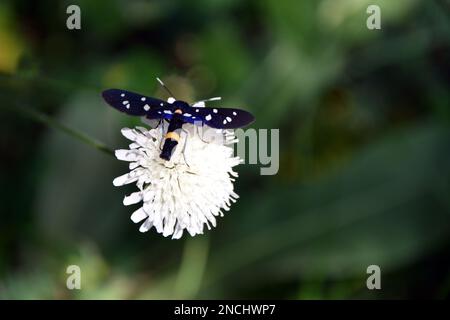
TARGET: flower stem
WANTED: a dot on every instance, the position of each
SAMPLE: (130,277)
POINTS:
(192,267)
(53,123)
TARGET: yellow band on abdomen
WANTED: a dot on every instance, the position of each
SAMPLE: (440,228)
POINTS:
(172,135)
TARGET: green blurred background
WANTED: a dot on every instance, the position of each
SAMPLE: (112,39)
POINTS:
(364,173)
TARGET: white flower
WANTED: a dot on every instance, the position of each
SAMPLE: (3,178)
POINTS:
(186,192)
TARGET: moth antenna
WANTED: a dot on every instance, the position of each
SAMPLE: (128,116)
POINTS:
(165,87)
(211,99)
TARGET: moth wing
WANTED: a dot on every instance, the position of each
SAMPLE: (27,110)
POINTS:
(132,103)
(222,118)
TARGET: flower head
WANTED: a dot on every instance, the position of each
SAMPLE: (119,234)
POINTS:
(187,192)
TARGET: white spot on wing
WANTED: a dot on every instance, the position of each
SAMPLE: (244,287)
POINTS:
(128,106)
(225,121)
(200,104)
(208,117)
(215,110)
(228,119)
(234,113)
(187,115)
(126,102)
(146,107)
(161,104)
(167,111)
(122,95)
(143,99)
(196,110)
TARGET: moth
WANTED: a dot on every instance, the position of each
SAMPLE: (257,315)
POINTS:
(177,113)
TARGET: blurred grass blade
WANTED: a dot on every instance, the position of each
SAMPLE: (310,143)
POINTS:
(192,268)
(51,122)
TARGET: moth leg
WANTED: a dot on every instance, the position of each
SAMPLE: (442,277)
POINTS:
(201,136)
(224,136)
(162,135)
(184,146)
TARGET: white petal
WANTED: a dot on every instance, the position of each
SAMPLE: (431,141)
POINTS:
(149,195)
(133,165)
(128,133)
(142,129)
(124,179)
(146,226)
(169,226)
(133,198)
(127,155)
(134,145)
(138,215)
(178,232)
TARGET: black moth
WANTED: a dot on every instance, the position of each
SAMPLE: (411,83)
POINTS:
(177,112)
